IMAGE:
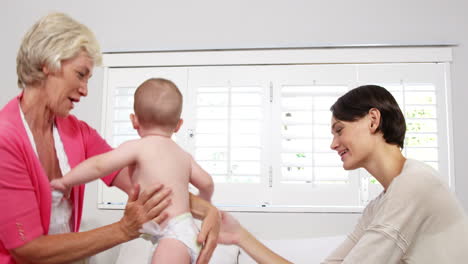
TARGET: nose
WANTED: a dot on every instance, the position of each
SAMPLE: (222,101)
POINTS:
(334,144)
(83,90)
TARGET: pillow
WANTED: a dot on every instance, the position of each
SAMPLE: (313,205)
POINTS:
(224,254)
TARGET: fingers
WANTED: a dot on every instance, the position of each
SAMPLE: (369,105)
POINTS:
(135,193)
(149,192)
(143,207)
(158,199)
(156,213)
(155,199)
(161,218)
(207,250)
(202,236)
(209,236)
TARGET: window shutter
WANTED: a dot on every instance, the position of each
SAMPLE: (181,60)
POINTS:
(420,90)
(306,171)
(263,132)
(229,124)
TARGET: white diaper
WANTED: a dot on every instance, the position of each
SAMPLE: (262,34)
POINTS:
(181,227)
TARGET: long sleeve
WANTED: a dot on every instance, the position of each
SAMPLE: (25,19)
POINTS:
(24,187)
(417,220)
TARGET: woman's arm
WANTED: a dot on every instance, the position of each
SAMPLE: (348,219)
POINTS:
(209,232)
(68,247)
(233,233)
(258,251)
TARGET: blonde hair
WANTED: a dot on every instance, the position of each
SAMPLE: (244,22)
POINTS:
(54,38)
(158,102)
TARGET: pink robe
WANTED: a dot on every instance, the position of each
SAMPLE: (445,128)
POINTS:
(25,193)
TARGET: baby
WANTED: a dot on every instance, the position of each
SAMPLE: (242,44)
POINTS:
(155,158)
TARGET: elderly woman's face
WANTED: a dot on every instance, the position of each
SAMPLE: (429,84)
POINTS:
(66,87)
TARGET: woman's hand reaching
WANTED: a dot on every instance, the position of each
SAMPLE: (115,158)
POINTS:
(142,207)
(231,230)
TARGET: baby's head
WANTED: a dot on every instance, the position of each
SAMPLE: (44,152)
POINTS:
(158,103)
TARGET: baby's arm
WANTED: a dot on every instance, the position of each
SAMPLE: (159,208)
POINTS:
(99,166)
(202,180)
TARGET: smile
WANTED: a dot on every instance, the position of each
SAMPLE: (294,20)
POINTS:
(341,153)
(74,100)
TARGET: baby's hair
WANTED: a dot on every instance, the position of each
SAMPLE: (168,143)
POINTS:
(158,102)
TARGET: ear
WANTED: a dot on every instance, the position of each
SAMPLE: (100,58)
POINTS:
(45,69)
(179,124)
(374,118)
(134,120)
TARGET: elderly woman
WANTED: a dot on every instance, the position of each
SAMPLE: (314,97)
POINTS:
(40,141)
(416,219)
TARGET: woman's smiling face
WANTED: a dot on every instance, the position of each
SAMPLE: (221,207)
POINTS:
(65,87)
(352,141)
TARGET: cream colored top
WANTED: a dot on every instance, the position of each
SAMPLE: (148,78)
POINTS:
(417,220)
(61,208)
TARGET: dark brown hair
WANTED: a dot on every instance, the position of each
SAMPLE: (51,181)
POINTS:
(356,103)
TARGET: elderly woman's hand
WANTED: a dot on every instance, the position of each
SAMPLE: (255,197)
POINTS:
(143,207)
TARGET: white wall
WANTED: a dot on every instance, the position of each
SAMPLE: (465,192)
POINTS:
(214,24)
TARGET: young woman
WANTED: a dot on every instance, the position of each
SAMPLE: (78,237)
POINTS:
(416,219)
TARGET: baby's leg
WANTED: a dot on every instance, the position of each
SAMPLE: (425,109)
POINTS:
(170,251)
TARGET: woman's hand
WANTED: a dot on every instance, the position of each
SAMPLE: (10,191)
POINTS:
(143,207)
(231,230)
(208,235)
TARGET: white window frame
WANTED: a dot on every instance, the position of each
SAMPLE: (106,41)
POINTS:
(303,56)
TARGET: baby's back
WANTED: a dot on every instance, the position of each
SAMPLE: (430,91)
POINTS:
(161,160)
